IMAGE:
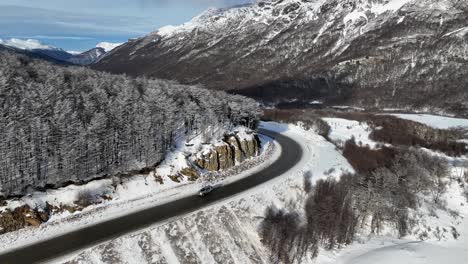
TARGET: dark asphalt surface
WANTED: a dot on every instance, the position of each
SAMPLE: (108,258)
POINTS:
(93,235)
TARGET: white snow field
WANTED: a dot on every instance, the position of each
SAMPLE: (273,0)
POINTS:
(435,121)
(107,46)
(343,129)
(388,250)
(411,250)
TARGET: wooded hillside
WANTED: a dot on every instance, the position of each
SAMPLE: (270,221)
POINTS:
(70,124)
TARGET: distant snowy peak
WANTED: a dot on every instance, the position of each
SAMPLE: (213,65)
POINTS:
(26,44)
(268,12)
(88,57)
(107,46)
(37,49)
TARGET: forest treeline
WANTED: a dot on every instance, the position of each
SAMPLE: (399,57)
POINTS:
(70,124)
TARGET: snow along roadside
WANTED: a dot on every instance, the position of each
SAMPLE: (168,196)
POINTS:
(195,236)
(116,208)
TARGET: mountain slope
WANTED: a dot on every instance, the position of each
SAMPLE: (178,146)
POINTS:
(34,48)
(382,53)
(88,57)
(62,125)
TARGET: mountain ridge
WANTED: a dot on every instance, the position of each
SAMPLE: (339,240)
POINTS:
(358,52)
(34,48)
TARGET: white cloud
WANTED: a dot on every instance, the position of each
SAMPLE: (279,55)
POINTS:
(24,44)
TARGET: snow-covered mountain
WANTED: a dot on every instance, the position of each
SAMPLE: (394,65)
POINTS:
(88,57)
(383,53)
(35,48)
(107,46)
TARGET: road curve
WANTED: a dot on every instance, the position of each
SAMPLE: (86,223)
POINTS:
(92,235)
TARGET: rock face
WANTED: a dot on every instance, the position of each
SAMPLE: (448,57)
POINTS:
(376,53)
(231,151)
(21,217)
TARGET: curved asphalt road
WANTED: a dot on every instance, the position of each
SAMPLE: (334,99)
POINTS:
(92,235)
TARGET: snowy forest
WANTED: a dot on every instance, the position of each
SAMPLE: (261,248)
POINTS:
(62,125)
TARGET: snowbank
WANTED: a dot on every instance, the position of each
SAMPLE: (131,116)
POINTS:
(440,122)
(226,232)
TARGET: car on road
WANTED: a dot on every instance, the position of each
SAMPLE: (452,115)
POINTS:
(205,190)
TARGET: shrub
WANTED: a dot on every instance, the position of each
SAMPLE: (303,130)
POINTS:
(363,159)
(282,233)
(85,198)
(329,212)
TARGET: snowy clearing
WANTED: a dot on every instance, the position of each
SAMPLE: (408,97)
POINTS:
(440,122)
(343,130)
(386,249)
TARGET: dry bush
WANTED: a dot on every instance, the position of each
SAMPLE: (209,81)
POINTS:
(402,132)
(329,212)
(364,160)
(85,198)
(283,233)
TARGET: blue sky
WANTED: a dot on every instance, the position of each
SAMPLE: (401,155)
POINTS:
(80,24)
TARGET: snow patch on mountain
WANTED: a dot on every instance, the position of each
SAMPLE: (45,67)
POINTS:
(435,121)
(392,6)
(108,46)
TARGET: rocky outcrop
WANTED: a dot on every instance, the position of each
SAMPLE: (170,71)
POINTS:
(21,217)
(231,151)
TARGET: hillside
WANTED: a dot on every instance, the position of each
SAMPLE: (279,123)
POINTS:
(64,125)
(372,53)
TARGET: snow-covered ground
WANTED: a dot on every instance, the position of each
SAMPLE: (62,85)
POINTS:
(226,232)
(343,129)
(130,194)
(435,121)
(389,250)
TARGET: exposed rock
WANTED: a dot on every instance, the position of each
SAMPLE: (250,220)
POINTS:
(32,221)
(21,217)
(159,179)
(224,156)
(235,146)
(175,178)
(191,173)
(208,161)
